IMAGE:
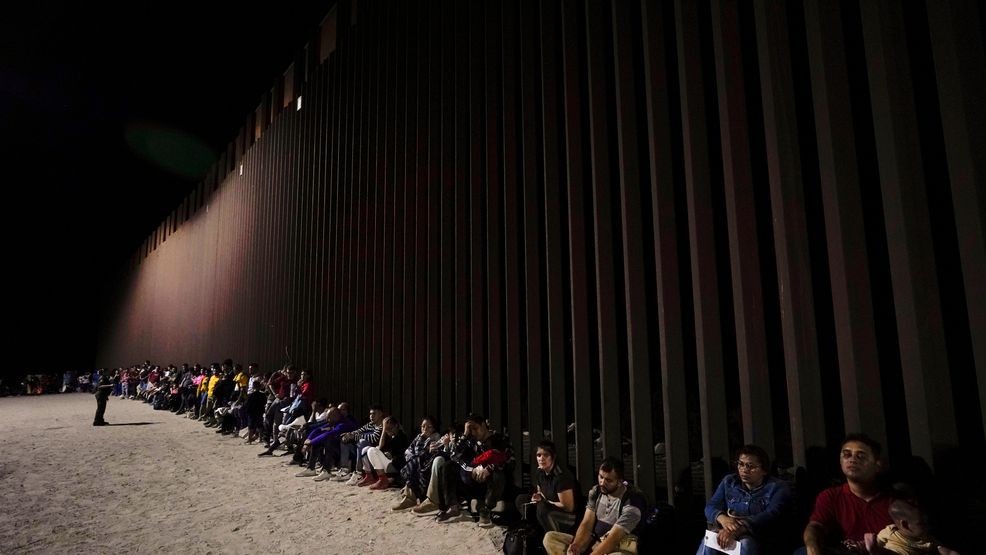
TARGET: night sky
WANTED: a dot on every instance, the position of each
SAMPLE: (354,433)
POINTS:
(110,114)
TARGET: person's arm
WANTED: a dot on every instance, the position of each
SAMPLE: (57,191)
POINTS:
(823,514)
(610,542)
(717,503)
(814,538)
(583,536)
(383,434)
(566,501)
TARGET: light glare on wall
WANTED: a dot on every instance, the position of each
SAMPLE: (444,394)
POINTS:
(298,109)
(241,169)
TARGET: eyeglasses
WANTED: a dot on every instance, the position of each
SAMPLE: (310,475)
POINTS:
(747,466)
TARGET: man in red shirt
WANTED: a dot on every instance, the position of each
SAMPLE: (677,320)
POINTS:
(844,514)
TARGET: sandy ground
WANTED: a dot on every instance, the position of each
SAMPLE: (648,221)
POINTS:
(155,482)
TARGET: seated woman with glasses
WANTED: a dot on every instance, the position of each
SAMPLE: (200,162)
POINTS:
(747,505)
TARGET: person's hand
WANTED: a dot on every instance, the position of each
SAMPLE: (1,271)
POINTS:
(725,539)
(480,473)
(573,549)
(537,496)
(447,438)
(729,523)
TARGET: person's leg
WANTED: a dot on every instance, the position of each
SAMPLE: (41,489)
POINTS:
(495,485)
(436,486)
(556,543)
(100,410)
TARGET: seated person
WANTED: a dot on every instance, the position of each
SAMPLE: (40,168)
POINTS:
(385,461)
(844,514)
(908,535)
(477,462)
(361,439)
(312,450)
(417,468)
(255,403)
(748,504)
(611,515)
(554,496)
(300,428)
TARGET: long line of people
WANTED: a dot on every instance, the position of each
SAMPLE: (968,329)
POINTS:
(466,470)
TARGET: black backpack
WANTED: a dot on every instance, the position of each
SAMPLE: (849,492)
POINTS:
(523,539)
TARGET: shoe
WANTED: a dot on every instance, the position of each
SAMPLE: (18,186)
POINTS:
(306,473)
(450,514)
(405,504)
(354,479)
(267,453)
(382,483)
(485,521)
(323,476)
(104,423)
(366,480)
(341,476)
(426,507)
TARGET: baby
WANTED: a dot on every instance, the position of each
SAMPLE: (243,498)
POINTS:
(908,535)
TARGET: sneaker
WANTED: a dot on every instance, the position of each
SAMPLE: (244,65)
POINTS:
(341,476)
(450,514)
(322,476)
(366,480)
(405,504)
(485,521)
(425,507)
(354,479)
(306,473)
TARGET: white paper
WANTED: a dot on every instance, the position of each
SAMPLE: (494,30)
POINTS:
(711,540)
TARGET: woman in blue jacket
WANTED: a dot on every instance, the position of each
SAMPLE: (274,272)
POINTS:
(747,503)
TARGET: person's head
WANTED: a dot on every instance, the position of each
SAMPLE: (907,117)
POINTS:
(752,465)
(610,476)
(476,427)
(376,414)
(392,426)
(909,518)
(320,404)
(253,368)
(305,376)
(343,408)
(334,415)
(546,455)
(291,371)
(859,458)
(428,425)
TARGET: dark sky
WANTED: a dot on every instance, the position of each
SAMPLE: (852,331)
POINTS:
(86,91)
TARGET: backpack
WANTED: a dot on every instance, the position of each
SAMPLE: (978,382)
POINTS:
(523,539)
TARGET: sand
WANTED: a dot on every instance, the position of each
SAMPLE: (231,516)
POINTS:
(153,482)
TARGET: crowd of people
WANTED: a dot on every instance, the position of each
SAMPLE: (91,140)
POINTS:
(441,473)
